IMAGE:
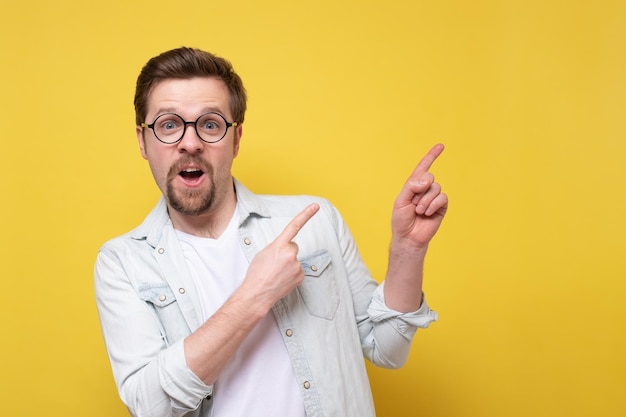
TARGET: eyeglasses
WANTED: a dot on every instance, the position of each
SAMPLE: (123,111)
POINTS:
(170,127)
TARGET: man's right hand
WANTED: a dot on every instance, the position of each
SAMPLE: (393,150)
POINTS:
(275,271)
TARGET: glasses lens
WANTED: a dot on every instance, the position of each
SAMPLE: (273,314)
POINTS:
(211,127)
(169,127)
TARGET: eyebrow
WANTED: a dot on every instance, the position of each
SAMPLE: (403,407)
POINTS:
(208,109)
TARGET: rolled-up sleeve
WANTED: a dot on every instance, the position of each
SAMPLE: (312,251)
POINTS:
(389,341)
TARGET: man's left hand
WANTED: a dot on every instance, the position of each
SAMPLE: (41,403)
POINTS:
(420,206)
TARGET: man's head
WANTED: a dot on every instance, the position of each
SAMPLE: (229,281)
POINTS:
(186,63)
(196,103)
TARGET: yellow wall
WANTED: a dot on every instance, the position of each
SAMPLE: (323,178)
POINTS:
(528,272)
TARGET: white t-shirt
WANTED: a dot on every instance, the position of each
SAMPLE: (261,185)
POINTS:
(259,379)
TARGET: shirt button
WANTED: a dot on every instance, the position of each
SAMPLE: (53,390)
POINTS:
(307,385)
(314,268)
(289,332)
(181,290)
(162,298)
(161,251)
(247,241)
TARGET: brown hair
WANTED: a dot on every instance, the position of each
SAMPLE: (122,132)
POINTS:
(183,63)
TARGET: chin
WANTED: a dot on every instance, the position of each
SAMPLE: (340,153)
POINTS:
(193,203)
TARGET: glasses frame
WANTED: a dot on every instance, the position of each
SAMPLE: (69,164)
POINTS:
(186,123)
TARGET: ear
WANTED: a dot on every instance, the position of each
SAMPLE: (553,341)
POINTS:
(142,141)
(238,134)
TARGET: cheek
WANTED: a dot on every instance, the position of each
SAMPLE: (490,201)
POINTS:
(223,161)
(158,165)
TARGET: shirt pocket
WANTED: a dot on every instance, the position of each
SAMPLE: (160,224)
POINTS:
(319,288)
(169,316)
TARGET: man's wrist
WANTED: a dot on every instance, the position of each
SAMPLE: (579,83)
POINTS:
(401,246)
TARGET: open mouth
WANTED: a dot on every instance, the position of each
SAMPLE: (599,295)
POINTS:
(191,174)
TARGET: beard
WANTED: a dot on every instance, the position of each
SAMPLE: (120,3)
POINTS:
(191,202)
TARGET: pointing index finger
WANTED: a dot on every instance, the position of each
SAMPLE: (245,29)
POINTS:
(427,161)
(297,223)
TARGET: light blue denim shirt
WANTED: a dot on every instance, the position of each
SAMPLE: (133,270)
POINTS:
(148,304)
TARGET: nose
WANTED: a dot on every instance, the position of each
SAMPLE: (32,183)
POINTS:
(190,142)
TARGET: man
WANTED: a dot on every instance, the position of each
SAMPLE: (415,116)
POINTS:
(227,303)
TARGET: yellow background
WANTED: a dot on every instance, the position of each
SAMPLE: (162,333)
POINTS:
(527,273)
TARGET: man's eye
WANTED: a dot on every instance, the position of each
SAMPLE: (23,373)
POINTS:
(210,125)
(169,125)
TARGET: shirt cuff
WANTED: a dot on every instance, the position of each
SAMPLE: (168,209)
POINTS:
(405,323)
(184,387)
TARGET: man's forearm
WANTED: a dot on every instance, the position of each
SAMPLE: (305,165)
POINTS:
(210,348)
(403,282)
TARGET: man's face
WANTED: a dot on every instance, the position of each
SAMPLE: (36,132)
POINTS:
(194,176)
